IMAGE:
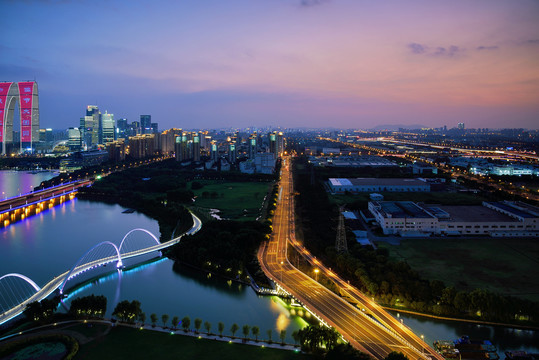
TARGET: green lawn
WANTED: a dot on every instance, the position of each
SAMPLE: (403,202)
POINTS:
(503,265)
(233,198)
(129,343)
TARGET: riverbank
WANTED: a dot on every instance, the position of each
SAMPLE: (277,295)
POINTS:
(103,338)
(470,321)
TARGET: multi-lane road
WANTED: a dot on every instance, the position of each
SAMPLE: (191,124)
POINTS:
(366,326)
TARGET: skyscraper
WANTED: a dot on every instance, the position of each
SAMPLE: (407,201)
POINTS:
(106,128)
(146,124)
(121,129)
(89,126)
(27,95)
(74,141)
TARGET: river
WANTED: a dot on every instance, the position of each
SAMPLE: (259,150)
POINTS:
(50,243)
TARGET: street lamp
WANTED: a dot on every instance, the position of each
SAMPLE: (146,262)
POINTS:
(316,271)
(422,347)
(282,271)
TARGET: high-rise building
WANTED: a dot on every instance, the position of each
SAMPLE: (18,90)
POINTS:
(116,150)
(252,147)
(142,146)
(74,140)
(121,129)
(146,124)
(460,126)
(232,153)
(27,95)
(181,147)
(196,147)
(214,151)
(155,128)
(168,140)
(106,128)
(89,126)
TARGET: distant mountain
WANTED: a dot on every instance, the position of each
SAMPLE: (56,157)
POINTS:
(397,127)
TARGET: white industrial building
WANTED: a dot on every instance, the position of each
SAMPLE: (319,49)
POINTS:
(342,185)
(497,219)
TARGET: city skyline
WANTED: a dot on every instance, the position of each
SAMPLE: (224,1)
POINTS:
(308,63)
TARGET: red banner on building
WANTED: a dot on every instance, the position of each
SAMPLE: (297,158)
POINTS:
(26,90)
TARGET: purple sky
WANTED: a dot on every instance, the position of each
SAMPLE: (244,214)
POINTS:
(290,63)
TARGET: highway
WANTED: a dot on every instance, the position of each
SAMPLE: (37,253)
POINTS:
(373,331)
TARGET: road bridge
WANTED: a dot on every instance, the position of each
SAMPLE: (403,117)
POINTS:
(20,207)
(59,281)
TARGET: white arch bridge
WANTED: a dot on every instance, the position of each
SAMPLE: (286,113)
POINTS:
(98,255)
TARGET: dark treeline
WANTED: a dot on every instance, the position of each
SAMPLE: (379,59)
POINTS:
(29,162)
(224,247)
(392,283)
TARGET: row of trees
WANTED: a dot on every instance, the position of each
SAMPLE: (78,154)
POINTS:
(89,306)
(130,312)
(393,283)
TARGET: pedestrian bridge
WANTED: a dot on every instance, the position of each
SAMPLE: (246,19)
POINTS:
(17,291)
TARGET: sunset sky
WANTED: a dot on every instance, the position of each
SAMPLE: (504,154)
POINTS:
(288,63)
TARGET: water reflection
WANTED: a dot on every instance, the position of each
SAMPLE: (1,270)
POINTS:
(502,337)
(216,282)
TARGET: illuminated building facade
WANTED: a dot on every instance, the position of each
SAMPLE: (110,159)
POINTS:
(27,95)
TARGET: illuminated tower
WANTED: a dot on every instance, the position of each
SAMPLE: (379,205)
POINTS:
(27,95)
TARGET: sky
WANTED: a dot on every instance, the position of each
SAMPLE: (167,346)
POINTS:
(288,63)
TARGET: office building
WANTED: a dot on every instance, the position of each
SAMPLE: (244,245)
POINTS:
(106,128)
(74,139)
(89,126)
(146,124)
(121,129)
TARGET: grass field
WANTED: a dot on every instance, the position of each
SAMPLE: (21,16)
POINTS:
(235,200)
(128,343)
(503,265)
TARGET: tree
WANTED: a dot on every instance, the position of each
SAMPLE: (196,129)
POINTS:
(164,318)
(142,318)
(127,311)
(255,330)
(396,356)
(198,324)
(346,352)
(220,328)
(246,330)
(269,332)
(153,319)
(33,311)
(234,328)
(282,335)
(207,326)
(186,322)
(313,337)
(295,336)
(88,306)
(175,321)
